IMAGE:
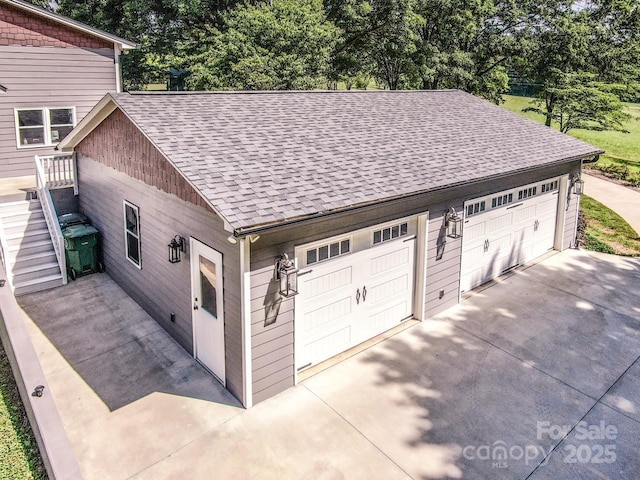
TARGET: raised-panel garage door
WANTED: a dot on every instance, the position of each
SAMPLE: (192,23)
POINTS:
(507,229)
(350,299)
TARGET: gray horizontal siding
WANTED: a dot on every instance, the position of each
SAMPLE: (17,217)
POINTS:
(161,287)
(47,77)
(273,325)
(272,331)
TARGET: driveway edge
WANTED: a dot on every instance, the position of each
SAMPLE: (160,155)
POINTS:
(55,448)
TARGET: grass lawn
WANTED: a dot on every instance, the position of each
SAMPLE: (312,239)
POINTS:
(621,148)
(607,231)
(19,455)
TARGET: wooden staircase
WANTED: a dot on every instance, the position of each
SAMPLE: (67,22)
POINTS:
(27,249)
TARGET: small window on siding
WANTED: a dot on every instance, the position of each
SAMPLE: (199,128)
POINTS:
(132,233)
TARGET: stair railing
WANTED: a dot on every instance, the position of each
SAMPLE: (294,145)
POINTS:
(55,171)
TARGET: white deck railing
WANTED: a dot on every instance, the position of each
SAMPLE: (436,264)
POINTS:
(59,170)
(55,171)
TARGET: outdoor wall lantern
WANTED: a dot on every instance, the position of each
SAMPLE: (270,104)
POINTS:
(287,275)
(453,223)
(176,246)
(578,185)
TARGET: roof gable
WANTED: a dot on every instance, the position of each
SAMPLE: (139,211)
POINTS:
(272,157)
(40,27)
(135,156)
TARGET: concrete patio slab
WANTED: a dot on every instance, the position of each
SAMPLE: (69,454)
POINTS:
(127,393)
(293,435)
(462,395)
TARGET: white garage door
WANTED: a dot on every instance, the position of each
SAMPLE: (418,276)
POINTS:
(507,229)
(353,288)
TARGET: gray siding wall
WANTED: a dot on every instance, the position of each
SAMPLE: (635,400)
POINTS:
(273,320)
(47,77)
(65,200)
(161,287)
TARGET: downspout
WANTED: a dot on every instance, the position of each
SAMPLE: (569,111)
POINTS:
(117,51)
(245,314)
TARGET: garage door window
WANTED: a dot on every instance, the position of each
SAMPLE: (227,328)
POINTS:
(390,233)
(330,250)
(527,192)
(501,200)
(477,207)
(549,186)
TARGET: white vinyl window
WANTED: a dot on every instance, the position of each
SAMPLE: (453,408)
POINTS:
(43,127)
(132,233)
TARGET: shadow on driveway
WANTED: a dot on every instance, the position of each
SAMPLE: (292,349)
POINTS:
(480,390)
(117,349)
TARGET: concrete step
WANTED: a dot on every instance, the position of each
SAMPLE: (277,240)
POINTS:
(31,286)
(16,216)
(25,249)
(20,227)
(31,236)
(26,261)
(19,196)
(21,206)
(35,272)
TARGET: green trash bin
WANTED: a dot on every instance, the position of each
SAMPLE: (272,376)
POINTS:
(81,249)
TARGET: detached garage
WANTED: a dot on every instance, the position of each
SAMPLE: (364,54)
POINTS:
(309,222)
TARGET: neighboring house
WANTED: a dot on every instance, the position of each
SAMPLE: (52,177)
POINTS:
(355,186)
(52,71)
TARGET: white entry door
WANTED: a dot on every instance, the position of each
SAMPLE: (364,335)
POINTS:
(351,299)
(208,308)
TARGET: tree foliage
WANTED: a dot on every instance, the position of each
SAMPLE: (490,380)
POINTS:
(580,101)
(282,45)
(573,51)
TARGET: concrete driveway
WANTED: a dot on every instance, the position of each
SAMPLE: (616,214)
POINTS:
(536,376)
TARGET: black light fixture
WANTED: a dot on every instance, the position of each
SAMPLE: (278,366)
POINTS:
(578,185)
(287,275)
(176,246)
(453,223)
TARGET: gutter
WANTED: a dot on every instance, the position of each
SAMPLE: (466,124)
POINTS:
(260,229)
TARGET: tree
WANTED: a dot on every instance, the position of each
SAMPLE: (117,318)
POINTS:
(581,102)
(285,44)
(600,39)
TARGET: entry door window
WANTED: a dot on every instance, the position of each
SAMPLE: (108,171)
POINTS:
(208,284)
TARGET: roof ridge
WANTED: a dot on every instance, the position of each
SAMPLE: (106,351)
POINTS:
(280,92)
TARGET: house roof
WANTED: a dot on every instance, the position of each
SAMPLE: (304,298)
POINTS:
(267,158)
(29,7)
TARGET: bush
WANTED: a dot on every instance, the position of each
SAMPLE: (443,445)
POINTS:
(634,180)
(619,172)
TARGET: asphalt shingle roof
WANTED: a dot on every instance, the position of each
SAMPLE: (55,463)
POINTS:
(269,157)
